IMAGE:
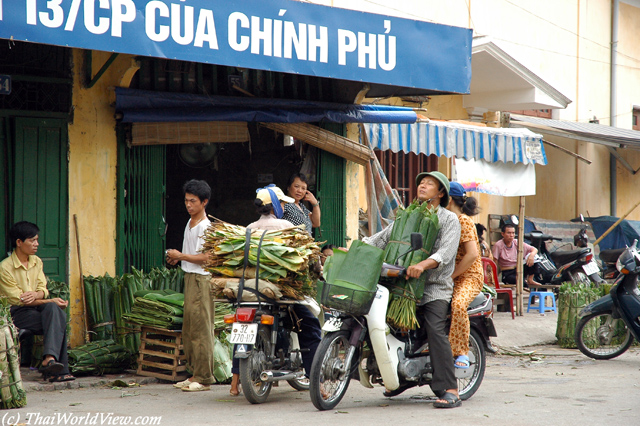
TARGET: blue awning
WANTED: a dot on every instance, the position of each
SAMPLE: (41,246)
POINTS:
(138,106)
(460,140)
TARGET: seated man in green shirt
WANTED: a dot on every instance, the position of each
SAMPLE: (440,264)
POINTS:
(23,283)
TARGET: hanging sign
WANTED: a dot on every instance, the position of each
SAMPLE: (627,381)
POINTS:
(278,35)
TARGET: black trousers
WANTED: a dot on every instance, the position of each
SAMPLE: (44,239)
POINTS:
(309,338)
(434,316)
(50,321)
(510,276)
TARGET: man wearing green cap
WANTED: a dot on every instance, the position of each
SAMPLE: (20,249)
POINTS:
(433,188)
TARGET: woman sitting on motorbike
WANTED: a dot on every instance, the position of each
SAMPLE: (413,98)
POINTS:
(270,202)
(467,275)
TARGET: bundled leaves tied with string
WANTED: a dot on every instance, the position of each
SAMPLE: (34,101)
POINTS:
(405,293)
(287,256)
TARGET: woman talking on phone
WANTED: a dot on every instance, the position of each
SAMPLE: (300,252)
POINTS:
(297,213)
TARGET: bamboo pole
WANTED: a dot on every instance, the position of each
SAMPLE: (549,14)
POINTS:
(520,266)
(601,237)
(84,299)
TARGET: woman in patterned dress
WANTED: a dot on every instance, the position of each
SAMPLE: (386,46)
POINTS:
(467,275)
(297,213)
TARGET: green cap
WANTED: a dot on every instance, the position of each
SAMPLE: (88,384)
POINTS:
(444,201)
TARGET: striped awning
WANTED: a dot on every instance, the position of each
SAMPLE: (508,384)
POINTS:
(460,140)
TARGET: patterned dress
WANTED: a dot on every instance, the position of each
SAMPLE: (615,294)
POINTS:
(297,216)
(466,287)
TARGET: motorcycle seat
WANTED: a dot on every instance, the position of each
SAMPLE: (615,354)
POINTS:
(480,299)
(562,257)
(611,256)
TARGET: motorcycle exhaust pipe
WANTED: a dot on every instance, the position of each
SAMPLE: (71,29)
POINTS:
(274,376)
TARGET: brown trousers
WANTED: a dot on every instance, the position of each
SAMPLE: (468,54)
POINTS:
(197,328)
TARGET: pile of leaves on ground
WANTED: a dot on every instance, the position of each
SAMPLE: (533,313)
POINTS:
(100,357)
(12,394)
(287,257)
(405,293)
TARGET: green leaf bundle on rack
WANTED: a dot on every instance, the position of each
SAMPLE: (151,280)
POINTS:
(405,293)
(287,256)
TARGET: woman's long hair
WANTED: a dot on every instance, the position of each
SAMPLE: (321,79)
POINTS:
(468,205)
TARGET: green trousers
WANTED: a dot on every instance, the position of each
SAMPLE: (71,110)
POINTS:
(197,328)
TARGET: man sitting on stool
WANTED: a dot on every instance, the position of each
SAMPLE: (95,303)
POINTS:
(23,283)
(505,253)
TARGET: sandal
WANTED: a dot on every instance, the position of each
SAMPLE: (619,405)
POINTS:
(196,387)
(451,401)
(182,384)
(52,368)
(62,378)
(403,387)
(462,359)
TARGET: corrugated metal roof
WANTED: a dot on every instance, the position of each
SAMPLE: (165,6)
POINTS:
(460,140)
(589,132)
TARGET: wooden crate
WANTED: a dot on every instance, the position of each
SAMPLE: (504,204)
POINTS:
(161,354)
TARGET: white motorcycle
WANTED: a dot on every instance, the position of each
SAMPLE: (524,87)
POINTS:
(359,339)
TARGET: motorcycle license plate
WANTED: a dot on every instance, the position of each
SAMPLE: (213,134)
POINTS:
(591,268)
(243,333)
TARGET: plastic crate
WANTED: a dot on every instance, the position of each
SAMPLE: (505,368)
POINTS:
(354,302)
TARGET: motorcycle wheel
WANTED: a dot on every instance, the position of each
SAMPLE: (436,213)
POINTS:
(579,277)
(255,390)
(477,362)
(299,384)
(600,336)
(329,377)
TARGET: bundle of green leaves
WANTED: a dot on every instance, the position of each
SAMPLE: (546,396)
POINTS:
(405,293)
(287,256)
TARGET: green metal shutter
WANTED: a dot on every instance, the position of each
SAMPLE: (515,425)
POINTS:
(141,206)
(332,193)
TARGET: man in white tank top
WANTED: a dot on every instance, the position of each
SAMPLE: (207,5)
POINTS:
(197,328)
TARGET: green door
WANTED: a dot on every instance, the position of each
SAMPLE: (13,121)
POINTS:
(40,187)
(332,191)
(141,206)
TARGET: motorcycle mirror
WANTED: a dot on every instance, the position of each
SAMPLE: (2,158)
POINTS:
(514,219)
(416,241)
(581,218)
(416,244)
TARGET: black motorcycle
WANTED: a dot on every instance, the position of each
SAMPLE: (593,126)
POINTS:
(555,267)
(607,327)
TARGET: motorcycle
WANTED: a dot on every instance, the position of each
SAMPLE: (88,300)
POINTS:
(608,259)
(265,334)
(556,267)
(606,328)
(358,340)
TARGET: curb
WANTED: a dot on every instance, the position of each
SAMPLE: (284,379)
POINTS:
(85,382)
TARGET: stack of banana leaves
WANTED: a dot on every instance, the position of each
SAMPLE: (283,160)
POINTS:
(405,294)
(157,308)
(12,394)
(101,357)
(108,298)
(287,257)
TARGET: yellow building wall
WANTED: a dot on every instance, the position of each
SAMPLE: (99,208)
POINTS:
(92,178)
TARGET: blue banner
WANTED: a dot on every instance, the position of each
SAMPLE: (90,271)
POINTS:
(275,35)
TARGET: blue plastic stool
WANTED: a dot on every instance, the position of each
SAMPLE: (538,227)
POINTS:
(542,296)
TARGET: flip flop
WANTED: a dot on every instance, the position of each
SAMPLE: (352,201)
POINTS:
(62,378)
(196,387)
(53,368)
(182,384)
(463,359)
(452,401)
